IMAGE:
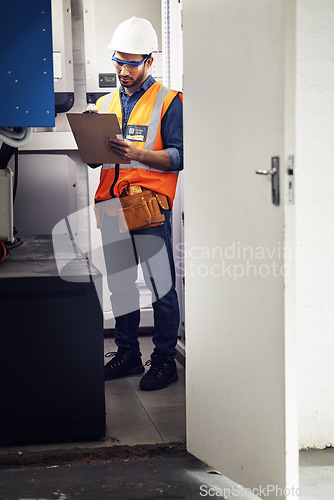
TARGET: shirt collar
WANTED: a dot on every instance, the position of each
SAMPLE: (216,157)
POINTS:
(145,86)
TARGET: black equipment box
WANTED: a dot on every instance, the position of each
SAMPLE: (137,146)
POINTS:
(51,354)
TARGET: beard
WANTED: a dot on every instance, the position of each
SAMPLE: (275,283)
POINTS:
(129,81)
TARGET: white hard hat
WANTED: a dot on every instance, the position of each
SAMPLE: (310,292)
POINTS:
(134,36)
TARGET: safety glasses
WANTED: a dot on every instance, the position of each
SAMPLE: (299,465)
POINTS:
(129,65)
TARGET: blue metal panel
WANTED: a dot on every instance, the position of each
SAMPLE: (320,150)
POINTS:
(26,64)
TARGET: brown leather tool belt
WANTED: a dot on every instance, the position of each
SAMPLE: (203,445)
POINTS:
(140,210)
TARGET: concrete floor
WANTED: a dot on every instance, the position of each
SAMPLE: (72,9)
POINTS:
(165,478)
(173,478)
(142,456)
(316,470)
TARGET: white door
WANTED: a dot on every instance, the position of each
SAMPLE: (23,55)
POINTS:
(238,115)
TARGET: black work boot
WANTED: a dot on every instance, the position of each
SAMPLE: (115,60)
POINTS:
(122,364)
(161,373)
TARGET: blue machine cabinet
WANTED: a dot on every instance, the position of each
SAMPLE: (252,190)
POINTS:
(26,69)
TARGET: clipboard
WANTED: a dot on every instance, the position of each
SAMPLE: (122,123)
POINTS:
(91,131)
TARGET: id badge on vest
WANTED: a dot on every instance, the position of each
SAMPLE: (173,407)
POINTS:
(136,133)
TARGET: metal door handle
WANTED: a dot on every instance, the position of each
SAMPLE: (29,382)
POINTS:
(274,172)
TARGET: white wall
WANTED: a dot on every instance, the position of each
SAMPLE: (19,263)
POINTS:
(314,215)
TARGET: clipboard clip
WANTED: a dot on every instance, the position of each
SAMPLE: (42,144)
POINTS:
(91,108)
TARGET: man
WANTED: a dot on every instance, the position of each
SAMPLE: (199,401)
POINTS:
(151,119)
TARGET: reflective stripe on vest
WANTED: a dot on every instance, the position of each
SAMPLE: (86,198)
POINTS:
(153,126)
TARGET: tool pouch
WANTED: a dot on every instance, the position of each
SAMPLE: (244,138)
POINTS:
(141,210)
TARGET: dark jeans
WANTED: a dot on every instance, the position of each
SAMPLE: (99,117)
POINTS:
(153,249)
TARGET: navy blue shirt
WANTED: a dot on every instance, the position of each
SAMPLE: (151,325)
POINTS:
(171,124)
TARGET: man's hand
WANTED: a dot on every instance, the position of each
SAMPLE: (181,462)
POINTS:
(129,152)
(125,149)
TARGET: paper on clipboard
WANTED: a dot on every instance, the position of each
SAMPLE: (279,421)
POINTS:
(91,131)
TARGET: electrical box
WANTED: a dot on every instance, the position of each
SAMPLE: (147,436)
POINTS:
(6,205)
(26,71)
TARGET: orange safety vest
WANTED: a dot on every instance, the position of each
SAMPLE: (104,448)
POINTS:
(146,116)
